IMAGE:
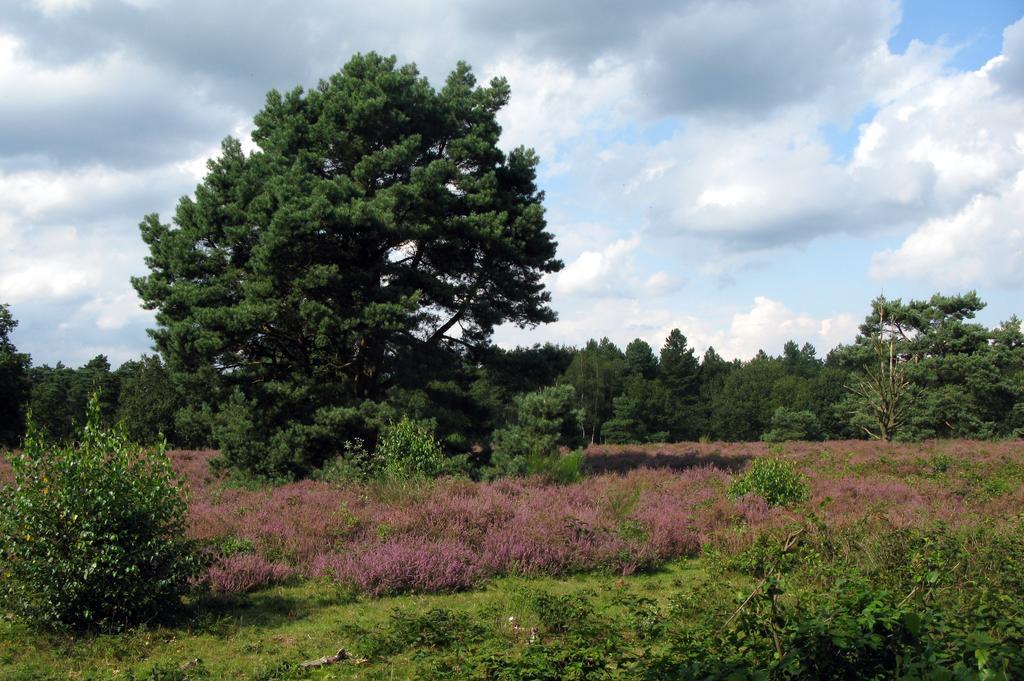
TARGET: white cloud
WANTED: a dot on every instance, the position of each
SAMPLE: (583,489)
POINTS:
(116,312)
(111,108)
(680,140)
(45,280)
(981,244)
(662,283)
(553,104)
(746,59)
(619,318)
(1008,68)
(597,271)
(936,139)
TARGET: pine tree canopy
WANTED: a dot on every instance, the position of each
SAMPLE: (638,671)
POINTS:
(377,233)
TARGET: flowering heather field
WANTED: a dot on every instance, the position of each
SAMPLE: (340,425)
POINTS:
(931,532)
(639,507)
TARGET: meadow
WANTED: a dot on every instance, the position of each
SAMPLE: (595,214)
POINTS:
(903,559)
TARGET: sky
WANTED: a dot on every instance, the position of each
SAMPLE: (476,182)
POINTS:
(749,172)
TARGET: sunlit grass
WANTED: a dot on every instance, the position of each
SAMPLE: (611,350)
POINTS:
(246,636)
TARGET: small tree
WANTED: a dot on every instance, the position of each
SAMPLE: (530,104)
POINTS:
(93,534)
(884,390)
(774,480)
(545,419)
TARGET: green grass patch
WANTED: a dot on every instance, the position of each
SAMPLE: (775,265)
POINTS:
(262,635)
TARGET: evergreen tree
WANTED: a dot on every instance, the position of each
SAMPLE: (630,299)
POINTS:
(374,240)
(711,376)
(640,359)
(94,376)
(678,370)
(965,378)
(15,385)
(543,421)
(644,412)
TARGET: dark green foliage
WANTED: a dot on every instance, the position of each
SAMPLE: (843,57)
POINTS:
(505,374)
(640,359)
(774,480)
(52,411)
(93,534)
(596,373)
(678,371)
(523,370)
(544,420)
(377,236)
(802,362)
(712,374)
(60,394)
(790,424)
(964,379)
(644,412)
(826,398)
(15,385)
(678,366)
(95,378)
(148,401)
(743,408)
(882,393)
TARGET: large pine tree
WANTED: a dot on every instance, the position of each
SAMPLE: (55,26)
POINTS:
(377,235)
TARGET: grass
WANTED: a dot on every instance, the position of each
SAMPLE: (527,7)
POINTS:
(248,636)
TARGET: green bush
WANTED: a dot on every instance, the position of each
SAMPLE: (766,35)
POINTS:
(409,449)
(353,463)
(560,469)
(773,480)
(791,424)
(93,533)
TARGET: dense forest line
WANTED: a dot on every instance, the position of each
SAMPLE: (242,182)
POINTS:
(965,381)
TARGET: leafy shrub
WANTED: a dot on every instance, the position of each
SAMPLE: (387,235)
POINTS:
(409,449)
(774,480)
(790,424)
(354,463)
(93,534)
(232,545)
